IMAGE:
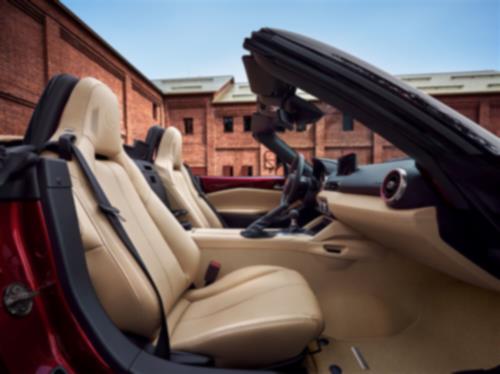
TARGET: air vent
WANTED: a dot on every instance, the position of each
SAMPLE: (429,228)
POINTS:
(394,186)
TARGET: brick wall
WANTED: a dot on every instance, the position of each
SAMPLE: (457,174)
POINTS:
(327,138)
(39,39)
(194,145)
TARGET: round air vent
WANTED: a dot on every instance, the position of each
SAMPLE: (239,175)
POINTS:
(394,186)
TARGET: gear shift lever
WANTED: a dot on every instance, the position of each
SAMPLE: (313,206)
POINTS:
(257,228)
(294,225)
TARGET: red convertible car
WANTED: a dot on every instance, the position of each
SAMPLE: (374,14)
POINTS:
(115,258)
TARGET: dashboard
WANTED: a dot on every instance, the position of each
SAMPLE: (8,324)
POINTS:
(397,206)
(399,183)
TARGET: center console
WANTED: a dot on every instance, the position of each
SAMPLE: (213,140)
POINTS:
(323,236)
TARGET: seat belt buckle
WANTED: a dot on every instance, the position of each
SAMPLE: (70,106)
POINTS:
(212,272)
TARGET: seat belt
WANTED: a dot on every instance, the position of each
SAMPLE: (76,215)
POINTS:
(66,150)
(152,178)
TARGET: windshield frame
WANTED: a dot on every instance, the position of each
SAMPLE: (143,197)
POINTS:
(434,135)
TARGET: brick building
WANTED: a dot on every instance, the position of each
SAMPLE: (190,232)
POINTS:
(40,38)
(214,113)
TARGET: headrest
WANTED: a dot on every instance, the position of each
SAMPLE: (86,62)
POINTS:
(153,139)
(170,149)
(45,118)
(92,114)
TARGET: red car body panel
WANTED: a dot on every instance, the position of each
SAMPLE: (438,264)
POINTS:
(212,184)
(49,336)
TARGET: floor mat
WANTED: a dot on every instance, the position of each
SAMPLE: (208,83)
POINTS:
(459,329)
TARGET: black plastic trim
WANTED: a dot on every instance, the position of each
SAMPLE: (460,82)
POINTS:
(239,220)
(21,186)
(48,111)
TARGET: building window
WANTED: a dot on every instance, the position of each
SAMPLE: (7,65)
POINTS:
(347,122)
(228,124)
(155,111)
(247,170)
(188,126)
(227,170)
(247,123)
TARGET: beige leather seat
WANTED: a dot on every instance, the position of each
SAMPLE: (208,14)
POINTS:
(178,183)
(252,317)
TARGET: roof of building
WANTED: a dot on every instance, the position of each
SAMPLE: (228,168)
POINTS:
(194,85)
(467,82)
(240,93)
(453,83)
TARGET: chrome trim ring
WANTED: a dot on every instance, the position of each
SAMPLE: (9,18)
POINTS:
(401,188)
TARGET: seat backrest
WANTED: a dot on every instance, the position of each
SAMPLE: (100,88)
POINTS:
(171,256)
(178,183)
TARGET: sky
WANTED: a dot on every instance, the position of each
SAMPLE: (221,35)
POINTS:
(175,38)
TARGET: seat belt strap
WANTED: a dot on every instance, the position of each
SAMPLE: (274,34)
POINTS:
(65,143)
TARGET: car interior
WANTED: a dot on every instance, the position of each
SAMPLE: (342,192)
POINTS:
(234,314)
(343,269)
(235,203)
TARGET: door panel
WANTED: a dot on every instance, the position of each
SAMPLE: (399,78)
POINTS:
(249,201)
(241,206)
(242,200)
(211,183)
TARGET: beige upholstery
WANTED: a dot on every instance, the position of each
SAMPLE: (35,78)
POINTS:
(251,317)
(178,184)
(249,307)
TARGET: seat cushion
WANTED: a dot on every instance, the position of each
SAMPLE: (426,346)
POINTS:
(252,317)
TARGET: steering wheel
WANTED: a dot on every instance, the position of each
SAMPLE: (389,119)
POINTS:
(292,184)
(291,191)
